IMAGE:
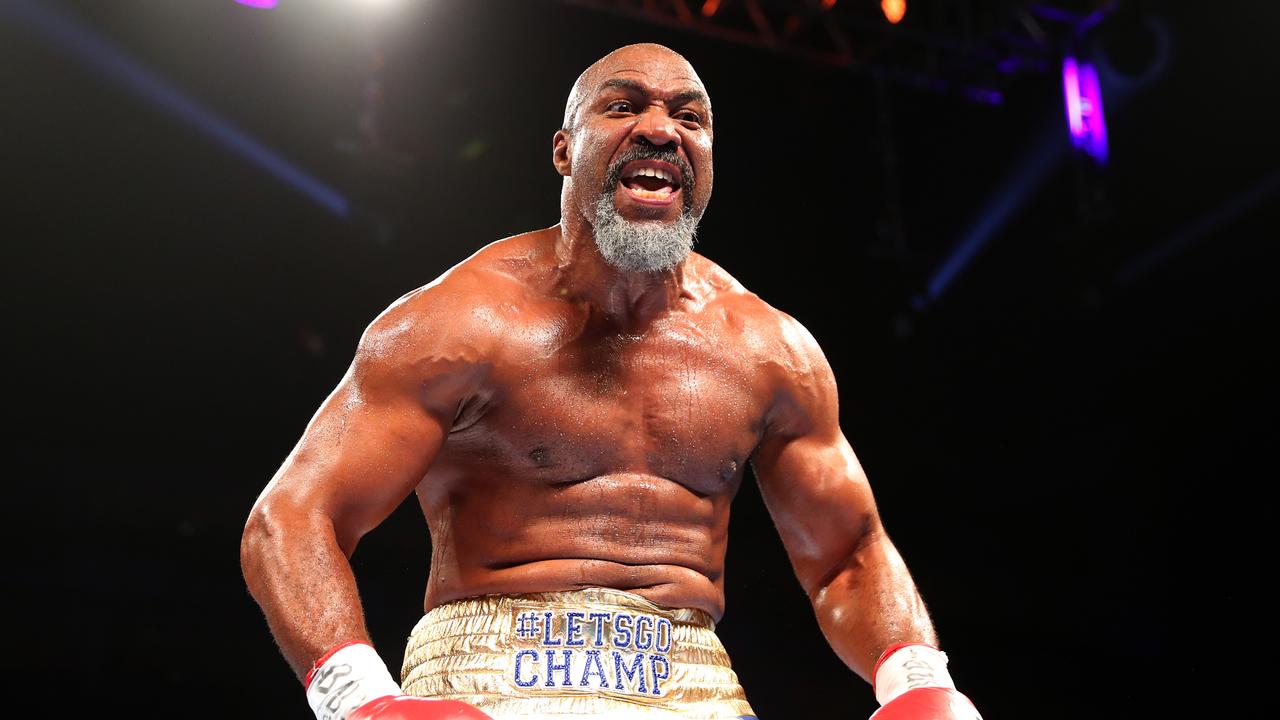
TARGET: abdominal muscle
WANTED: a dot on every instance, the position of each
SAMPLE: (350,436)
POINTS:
(627,531)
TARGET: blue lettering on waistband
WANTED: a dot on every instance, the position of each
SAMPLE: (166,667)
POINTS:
(654,661)
(635,670)
(583,650)
(546,630)
(622,630)
(527,625)
(664,632)
(520,656)
(644,632)
(552,667)
(600,618)
(573,629)
(594,667)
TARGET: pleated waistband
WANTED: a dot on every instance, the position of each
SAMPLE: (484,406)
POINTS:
(586,653)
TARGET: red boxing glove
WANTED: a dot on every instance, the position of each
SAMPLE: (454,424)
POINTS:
(350,683)
(928,703)
(912,683)
(404,707)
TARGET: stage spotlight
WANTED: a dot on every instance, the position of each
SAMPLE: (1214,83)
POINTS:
(828,4)
(894,10)
(1083,98)
(258,3)
(710,7)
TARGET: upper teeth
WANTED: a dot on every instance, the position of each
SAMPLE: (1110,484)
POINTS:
(654,173)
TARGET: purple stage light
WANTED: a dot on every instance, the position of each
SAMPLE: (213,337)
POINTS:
(1084,108)
(258,3)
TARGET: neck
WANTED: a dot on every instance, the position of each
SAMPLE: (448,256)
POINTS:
(627,300)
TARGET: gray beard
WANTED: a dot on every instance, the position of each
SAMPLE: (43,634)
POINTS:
(646,246)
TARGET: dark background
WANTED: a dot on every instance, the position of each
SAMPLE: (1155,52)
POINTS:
(1070,445)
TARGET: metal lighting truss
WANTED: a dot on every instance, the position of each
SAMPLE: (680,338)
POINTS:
(971,48)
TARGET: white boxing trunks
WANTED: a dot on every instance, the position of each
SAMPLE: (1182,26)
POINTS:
(589,653)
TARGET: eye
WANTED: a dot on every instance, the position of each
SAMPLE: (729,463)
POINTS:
(688,116)
(621,106)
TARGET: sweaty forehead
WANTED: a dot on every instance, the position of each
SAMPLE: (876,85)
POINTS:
(656,66)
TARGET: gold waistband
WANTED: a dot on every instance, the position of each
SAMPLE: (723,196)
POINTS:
(585,653)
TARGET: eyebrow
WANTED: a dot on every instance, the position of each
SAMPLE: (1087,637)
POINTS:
(681,97)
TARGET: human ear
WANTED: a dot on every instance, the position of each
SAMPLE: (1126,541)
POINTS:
(561,153)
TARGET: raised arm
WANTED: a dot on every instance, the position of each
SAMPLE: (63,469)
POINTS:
(821,502)
(362,454)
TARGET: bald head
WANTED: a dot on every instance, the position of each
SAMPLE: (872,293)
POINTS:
(645,58)
(642,109)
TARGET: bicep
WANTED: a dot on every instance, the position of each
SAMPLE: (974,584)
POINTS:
(363,452)
(819,499)
(810,478)
(374,438)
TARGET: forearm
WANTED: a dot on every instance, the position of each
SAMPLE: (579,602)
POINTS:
(300,577)
(870,603)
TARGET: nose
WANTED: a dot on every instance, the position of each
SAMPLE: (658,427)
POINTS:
(655,127)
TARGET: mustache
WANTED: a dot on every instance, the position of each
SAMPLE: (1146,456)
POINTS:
(662,154)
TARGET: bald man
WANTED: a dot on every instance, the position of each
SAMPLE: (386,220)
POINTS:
(574,409)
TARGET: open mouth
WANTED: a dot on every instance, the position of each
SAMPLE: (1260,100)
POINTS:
(651,181)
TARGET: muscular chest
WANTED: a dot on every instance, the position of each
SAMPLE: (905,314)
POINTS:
(675,404)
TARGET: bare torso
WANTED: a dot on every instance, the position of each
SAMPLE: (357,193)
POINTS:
(568,419)
(583,456)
